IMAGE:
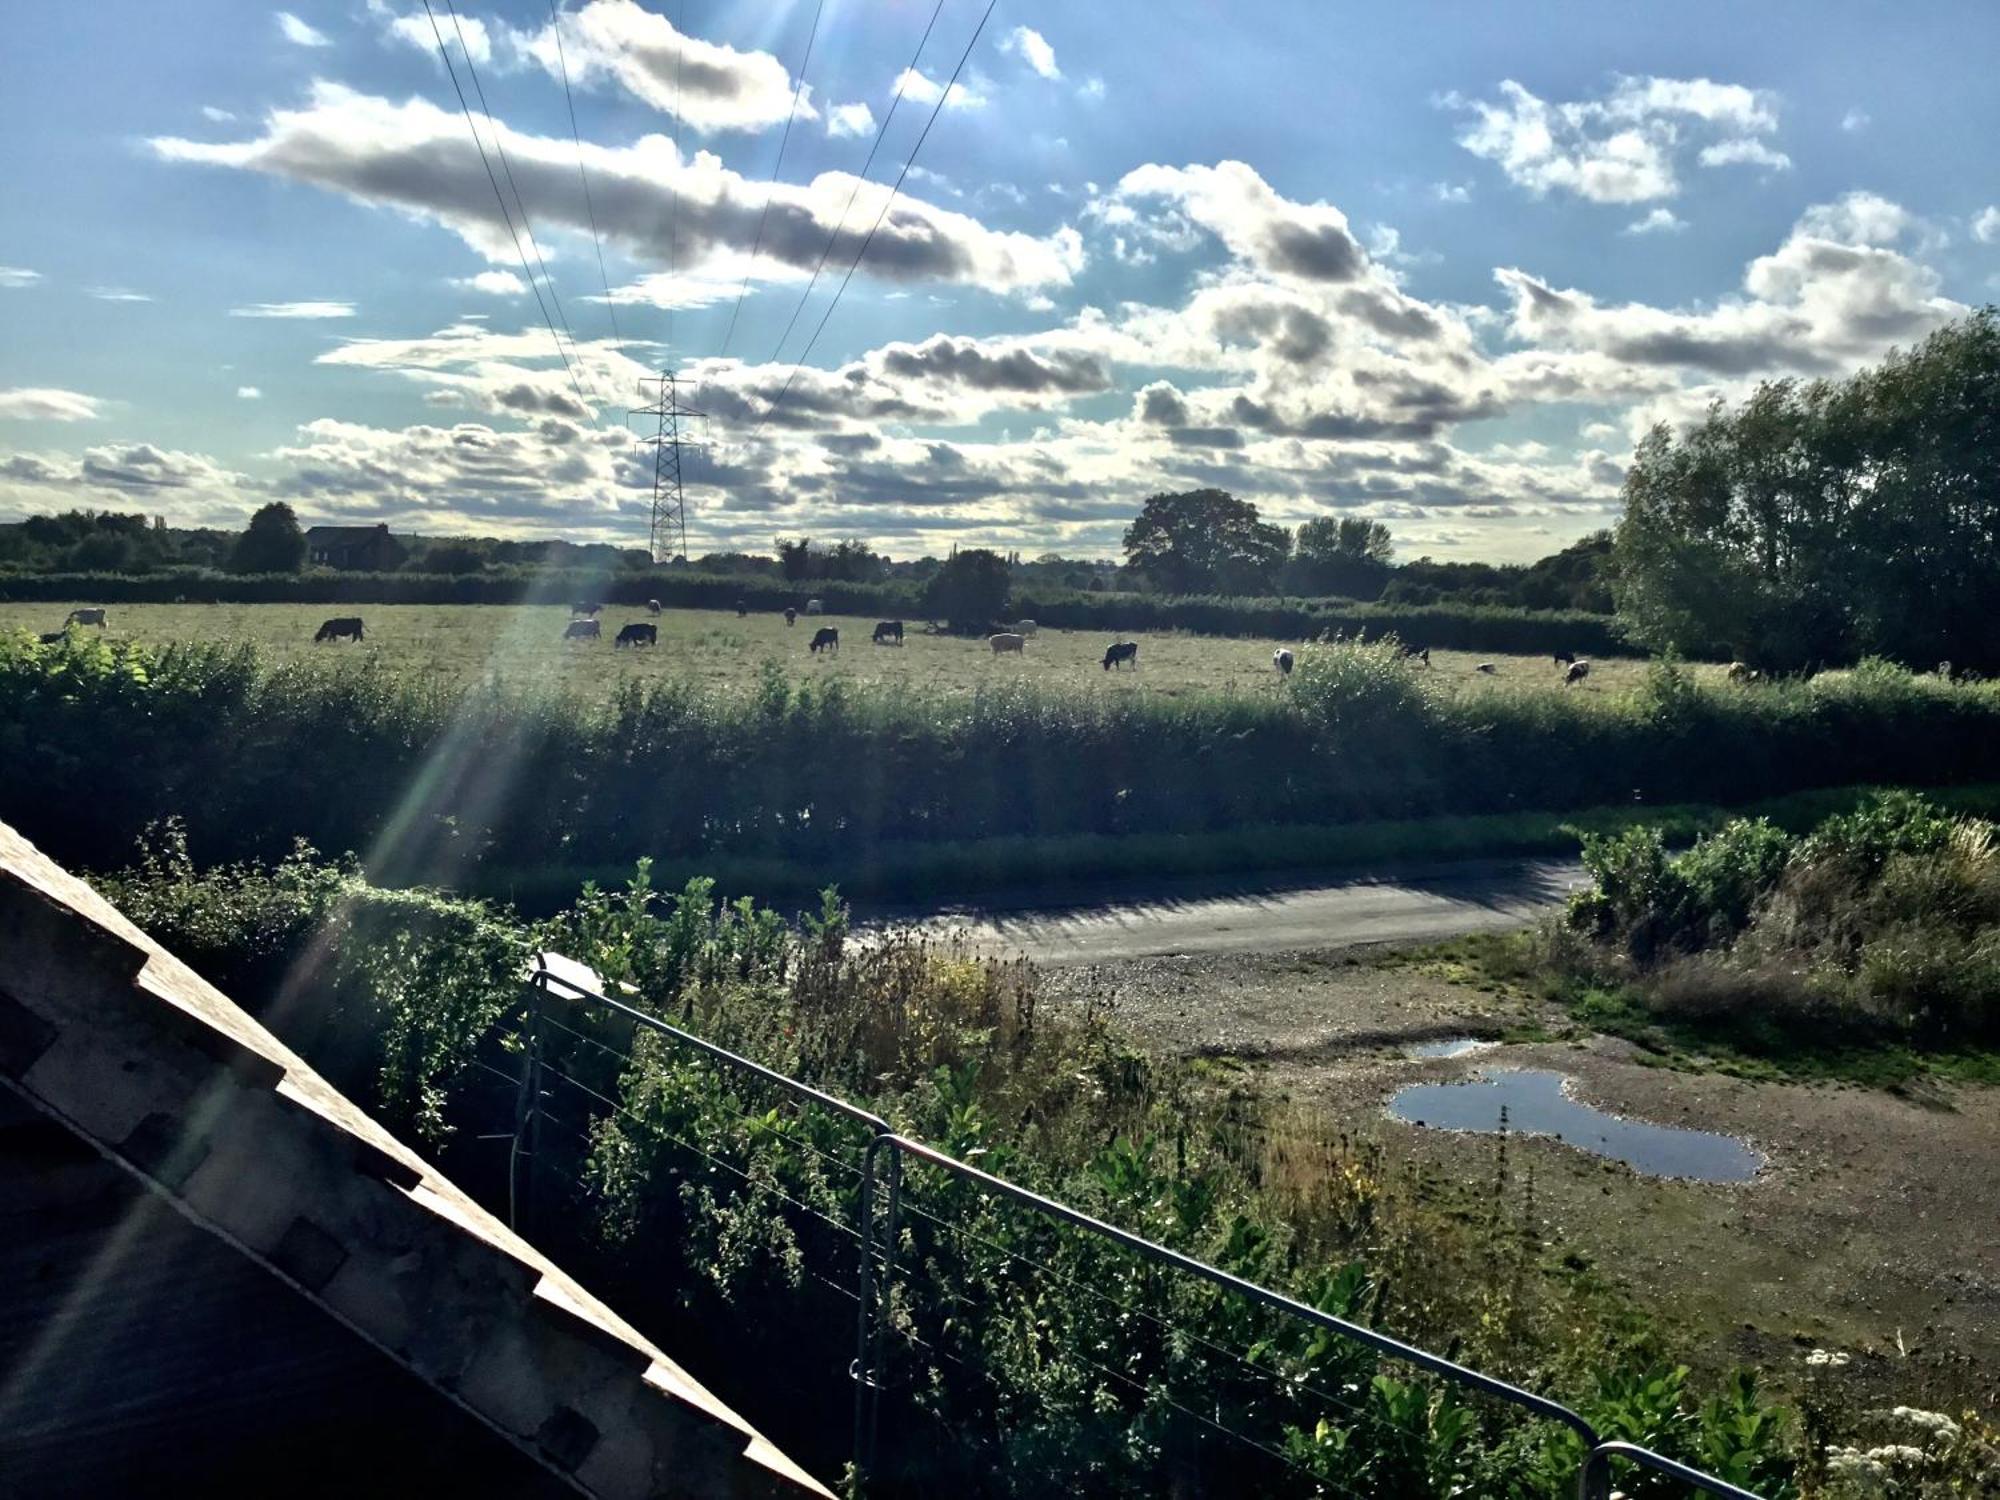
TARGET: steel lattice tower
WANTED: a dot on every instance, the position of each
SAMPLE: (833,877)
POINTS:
(669,527)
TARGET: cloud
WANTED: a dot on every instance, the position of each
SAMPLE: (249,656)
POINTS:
(1452,192)
(469,32)
(1033,49)
(651,201)
(921,88)
(492,284)
(1091,89)
(249,393)
(15,277)
(849,119)
(1619,148)
(1855,120)
(1271,232)
(1659,221)
(298,33)
(294,310)
(219,116)
(1986,225)
(116,294)
(1836,293)
(707,85)
(48,404)
(1745,152)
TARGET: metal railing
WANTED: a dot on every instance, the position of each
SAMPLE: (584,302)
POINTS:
(877,1231)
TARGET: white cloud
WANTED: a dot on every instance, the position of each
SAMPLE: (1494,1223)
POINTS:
(469,31)
(1092,89)
(298,33)
(116,294)
(48,404)
(707,85)
(492,284)
(1452,192)
(417,157)
(1745,152)
(1033,49)
(18,276)
(1619,148)
(849,119)
(249,393)
(1986,225)
(1659,221)
(219,116)
(294,310)
(921,88)
(1855,120)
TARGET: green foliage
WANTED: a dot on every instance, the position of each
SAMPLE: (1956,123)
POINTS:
(1820,523)
(970,590)
(1204,540)
(273,543)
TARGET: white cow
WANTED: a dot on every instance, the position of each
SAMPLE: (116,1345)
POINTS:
(1282,660)
(84,617)
(1025,627)
(1007,640)
(814,607)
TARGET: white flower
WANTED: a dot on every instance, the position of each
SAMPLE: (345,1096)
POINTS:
(1899,1453)
(1934,1422)
(1831,1359)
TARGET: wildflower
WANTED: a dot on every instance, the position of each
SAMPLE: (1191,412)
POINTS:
(1936,1423)
(1830,1359)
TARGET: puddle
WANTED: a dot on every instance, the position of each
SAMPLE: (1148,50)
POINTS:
(1537,1104)
(1458,1046)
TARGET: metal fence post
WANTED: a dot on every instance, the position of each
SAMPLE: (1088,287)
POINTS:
(864,1320)
(1593,1482)
(527,1110)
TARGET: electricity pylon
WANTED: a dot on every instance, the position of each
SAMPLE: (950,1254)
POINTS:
(669,529)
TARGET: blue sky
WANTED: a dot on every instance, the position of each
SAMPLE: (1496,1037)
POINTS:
(1435,263)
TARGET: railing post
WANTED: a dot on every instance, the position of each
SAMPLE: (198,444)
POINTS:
(527,1110)
(864,1316)
(1593,1480)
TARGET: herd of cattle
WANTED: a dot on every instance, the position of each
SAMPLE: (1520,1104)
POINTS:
(585,626)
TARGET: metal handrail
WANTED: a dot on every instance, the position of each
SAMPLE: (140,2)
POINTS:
(1595,1478)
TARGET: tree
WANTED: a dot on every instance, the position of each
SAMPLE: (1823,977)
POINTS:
(272,544)
(453,557)
(794,557)
(1346,555)
(1820,523)
(970,590)
(1205,541)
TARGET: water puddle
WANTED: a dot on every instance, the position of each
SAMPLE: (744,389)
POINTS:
(1458,1046)
(1538,1104)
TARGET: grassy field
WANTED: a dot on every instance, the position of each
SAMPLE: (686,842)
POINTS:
(525,645)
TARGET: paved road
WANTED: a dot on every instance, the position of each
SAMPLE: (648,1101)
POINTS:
(1133,921)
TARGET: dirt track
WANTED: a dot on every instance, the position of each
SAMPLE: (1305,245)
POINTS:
(1872,1229)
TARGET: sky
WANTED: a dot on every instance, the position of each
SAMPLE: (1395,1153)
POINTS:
(1439,264)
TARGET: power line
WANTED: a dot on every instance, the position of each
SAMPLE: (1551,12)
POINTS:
(902,82)
(589,209)
(501,198)
(673,190)
(770,188)
(507,169)
(887,204)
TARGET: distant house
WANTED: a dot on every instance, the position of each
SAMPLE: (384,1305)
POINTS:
(363,548)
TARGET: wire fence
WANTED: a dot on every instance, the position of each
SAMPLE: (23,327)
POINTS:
(1239,1387)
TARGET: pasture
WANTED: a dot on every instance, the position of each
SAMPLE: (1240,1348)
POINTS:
(524,646)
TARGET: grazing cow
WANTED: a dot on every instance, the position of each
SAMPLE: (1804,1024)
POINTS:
(1283,661)
(1421,653)
(791,615)
(1565,658)
(826,638)
(54,637)
(583,630)
(637,634)
(1578,670)
(1739,671)
(84,617)
(815,607)
(652,606)
(584,607)
(889,630)
(1024,627)
(338,628)
(1121,651)
(742,610)
(1007,640)
(1487,667)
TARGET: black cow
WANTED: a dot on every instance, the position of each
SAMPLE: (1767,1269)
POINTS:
(791,615)
(339,627)
(584,607)
(1565,658)
(637,634)
(826,638)
(583,630)
(54,637)
(742,610)
(889,630)
(1123,651)
(1421,653)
